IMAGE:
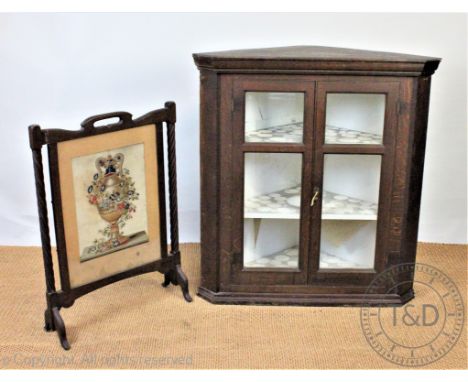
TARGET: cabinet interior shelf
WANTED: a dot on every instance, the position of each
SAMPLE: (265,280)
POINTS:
(289,258)
(293,132)
(285,204)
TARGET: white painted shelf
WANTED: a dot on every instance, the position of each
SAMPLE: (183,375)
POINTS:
(289,133)
(338,135)
(293,133)
(289,258)
(284,204)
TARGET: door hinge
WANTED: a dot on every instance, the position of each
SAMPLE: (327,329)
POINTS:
(236,263)
(236,257)
(401,108)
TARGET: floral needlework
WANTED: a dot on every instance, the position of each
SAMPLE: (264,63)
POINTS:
(113,192)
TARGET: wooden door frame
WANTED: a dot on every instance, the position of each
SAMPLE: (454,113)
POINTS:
(233,148)
(391,90)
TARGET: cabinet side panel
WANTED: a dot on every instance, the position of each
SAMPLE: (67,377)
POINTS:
(416,167)
(225,181)
(209,179)
(399,193)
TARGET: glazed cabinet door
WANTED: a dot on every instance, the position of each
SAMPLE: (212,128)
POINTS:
(352,178)
(265,194)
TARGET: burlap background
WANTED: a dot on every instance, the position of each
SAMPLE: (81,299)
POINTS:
(137,324)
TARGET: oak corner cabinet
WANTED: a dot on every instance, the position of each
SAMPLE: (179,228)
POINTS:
(311,173)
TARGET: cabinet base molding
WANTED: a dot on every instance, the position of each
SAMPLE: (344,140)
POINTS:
(242,298)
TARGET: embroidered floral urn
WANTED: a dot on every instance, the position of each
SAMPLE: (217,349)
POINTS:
(112,191)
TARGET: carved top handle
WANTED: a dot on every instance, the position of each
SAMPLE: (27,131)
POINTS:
(124,118)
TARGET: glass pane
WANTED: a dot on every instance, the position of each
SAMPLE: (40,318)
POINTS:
(274,117)
(349,210)
(354,118)
(272,201)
